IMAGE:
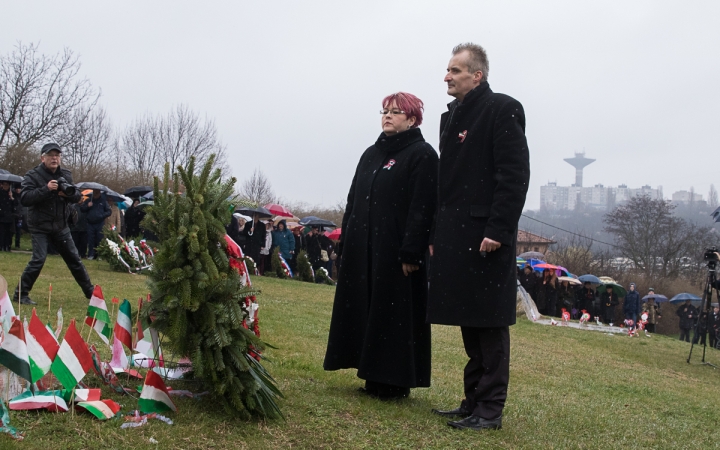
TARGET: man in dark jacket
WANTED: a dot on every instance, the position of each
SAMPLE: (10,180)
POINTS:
(529,281)
(483,179)
(79,231)
(96,210)
(586,299)
(608,301)
(7,216)
(632,306)
(688,315)
(48,212)
(133,216)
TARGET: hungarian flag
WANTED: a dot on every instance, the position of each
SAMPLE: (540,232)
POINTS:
(42,347)
(102,409)
(119,358)
(123,325)
(73,360)
(50,400)
(14,352)
(154,397)
(6,306)
(98,310)
(81,395)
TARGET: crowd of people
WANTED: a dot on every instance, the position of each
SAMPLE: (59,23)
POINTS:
(258,239)
(551,295)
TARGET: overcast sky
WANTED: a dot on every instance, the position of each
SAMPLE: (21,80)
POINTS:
(295,86)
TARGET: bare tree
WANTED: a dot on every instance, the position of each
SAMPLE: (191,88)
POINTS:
(40,94)
(573,251)
(713,197)
(257,189)
(151,141)
(19,158)
(87,144)
(647,232)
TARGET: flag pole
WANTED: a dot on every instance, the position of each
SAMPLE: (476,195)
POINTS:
(72,399)
(49,299)
(91,327)
(19,294)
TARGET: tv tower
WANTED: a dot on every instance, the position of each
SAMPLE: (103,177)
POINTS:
(579,162)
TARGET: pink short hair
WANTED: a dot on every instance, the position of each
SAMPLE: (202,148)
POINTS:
(412,105)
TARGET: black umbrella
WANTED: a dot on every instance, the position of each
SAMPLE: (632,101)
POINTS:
(249,211)
(318,223)
(92,185)
(138,191)
(10,177)
(532,255)
(114,196)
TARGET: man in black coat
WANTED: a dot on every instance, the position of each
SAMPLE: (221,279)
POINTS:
(48,212)
(483,179)
(7,216)
(608,301)
(529,281)
(688,315)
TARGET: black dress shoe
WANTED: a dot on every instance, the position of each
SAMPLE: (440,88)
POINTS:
(450,413)
(477,423)
(26,301)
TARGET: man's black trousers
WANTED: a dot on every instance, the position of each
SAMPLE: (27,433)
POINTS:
(488,372)
(64,244)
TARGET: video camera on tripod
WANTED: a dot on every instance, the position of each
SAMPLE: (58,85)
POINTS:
(711,258)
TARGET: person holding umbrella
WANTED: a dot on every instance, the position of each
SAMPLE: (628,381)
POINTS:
(378,321)
(653,314)
(96,210)
(255,235)
(688,315)
(586,298)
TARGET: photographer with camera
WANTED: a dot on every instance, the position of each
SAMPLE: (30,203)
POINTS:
(48,192)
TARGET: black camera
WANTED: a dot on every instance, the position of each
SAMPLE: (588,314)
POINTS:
(65,187)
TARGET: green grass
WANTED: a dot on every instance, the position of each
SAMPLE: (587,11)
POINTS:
(568,388)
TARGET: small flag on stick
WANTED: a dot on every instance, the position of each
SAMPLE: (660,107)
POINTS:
(13,351)
(154,397)
(97,315)
(73,360)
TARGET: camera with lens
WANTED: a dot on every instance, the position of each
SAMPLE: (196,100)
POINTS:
(65,187)
(711,257)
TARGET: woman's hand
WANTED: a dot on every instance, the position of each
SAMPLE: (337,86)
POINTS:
(409,268)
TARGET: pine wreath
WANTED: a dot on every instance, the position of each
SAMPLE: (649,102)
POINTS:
(198,298)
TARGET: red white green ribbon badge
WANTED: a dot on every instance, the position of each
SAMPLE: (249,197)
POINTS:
(389,165)
(462,135)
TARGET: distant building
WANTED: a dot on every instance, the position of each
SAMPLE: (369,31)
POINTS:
(686,197)
(554,197)
(530,242)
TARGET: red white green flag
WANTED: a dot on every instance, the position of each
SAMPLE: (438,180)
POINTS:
(154,397)
(123,325)
(50,400)
(6,306)
(81,395)
(97,309)
(73,359)
(14,352)
(102,409)
(42,347)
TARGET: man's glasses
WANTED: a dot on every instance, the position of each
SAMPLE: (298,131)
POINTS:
(391,112)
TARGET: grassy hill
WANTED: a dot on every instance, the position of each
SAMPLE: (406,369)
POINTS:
(568,388)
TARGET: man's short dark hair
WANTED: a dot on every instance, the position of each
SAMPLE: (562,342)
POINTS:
(478,59)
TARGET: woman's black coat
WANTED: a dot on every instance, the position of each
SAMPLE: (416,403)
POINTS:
(254,241)
(378,322)
(483,180)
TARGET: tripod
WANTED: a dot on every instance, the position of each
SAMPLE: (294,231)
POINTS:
(704,314)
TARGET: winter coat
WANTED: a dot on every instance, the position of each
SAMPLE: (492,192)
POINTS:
(81,224)
(98,212)
(7,207)
(255,240)
(315,244)
(47,211)
(632,303)
(586,299)
(133,217)
(608,302)
(378,321)
(652,311)
(483,179)
(688,316)
(115,218)
(284,240)
(529,283)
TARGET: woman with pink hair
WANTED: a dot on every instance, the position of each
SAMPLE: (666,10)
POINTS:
(378,322)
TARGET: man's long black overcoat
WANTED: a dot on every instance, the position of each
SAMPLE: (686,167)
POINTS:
(482,183)
(378,321)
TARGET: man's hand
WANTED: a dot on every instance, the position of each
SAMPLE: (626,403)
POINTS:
(52,185)
(409,268)
(488,245)
(90,204)
(432,249)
